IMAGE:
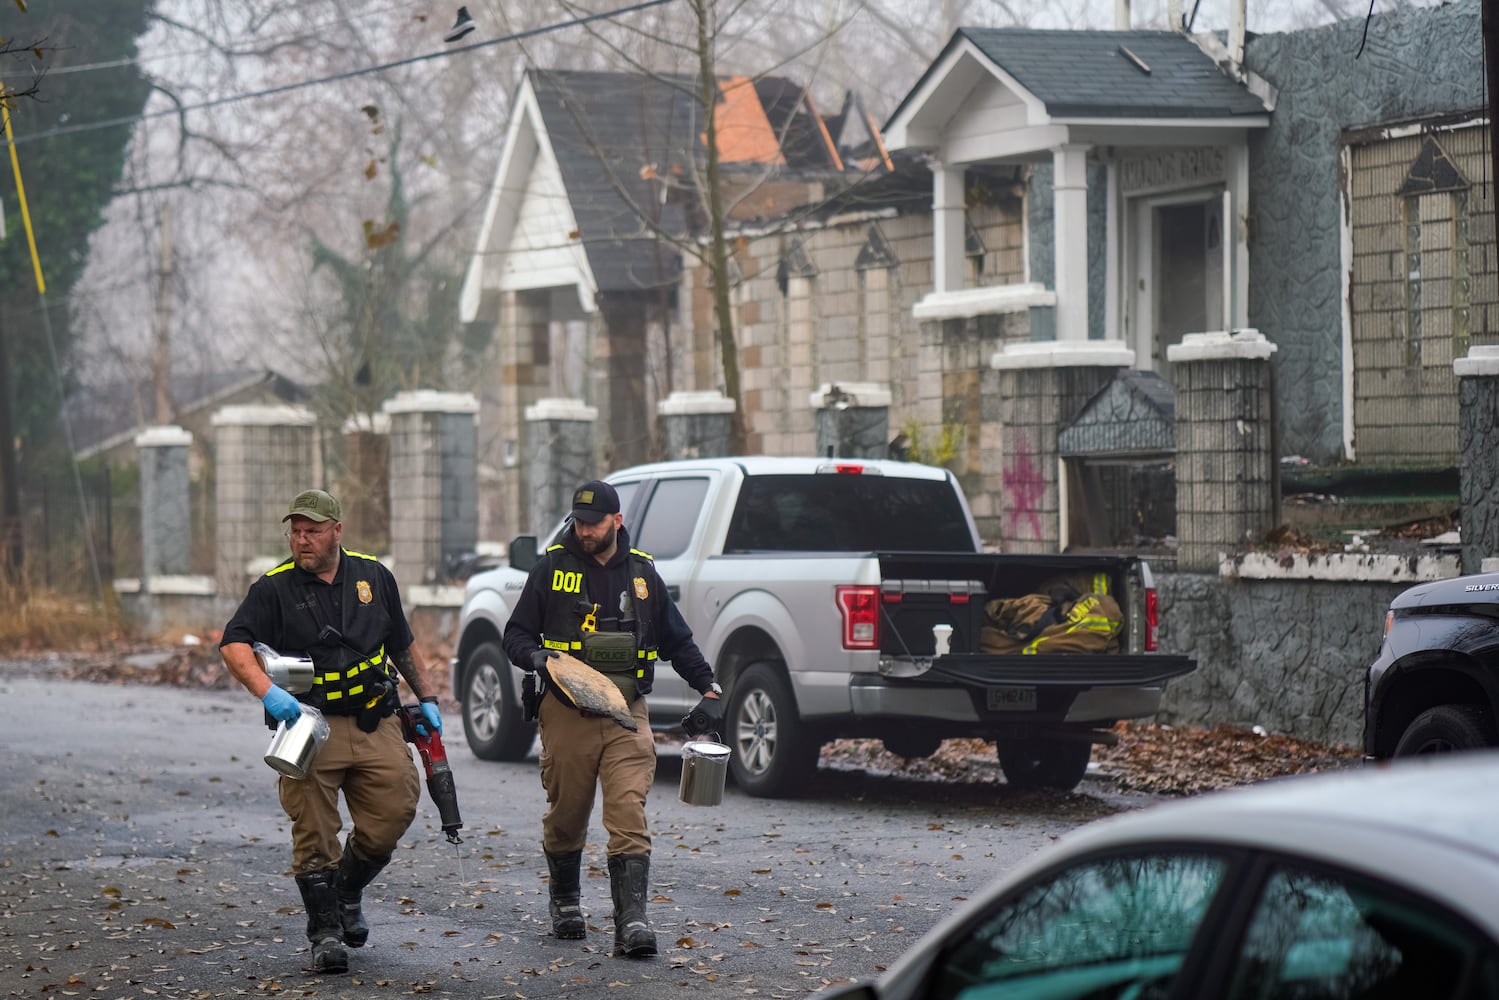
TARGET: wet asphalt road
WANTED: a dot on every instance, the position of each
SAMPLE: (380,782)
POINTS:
(143,854)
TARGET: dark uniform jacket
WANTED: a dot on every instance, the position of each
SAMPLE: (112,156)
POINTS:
(288,608)
(630,596)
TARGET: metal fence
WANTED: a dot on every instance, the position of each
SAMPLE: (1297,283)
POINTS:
(81,534)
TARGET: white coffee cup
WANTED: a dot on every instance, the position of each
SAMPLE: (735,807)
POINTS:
(942,636)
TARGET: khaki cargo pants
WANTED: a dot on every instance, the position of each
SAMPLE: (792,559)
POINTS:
(579,753)
(380,786)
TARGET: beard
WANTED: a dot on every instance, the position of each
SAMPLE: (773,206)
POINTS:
(595,545)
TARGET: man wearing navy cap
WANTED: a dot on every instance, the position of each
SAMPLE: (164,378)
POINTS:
(594,597)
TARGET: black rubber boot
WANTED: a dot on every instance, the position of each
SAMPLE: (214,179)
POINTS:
(354,873)
(629,882)
(323,928)
(565,903)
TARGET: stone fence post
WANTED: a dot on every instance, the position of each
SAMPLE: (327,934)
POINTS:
(1478,446)
(1227,472)
(560,457)
(265,456)
(365,488)
(697,424)
(166,506)
(1043,385)
(853,420)
(434,482)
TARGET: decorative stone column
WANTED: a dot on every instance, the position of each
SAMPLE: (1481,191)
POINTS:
(560,457)
(166,508)
(697,424)
(265,456)
(434,482)
(1478,444)
(1227,472)
(853,420)
(365,488)
(1042,387)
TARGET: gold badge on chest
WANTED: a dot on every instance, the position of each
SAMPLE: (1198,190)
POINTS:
(641,591)
(362,588)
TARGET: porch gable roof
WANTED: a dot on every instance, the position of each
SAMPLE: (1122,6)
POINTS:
(1063,78)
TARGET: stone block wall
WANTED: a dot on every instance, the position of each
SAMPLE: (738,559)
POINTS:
(1422,287)
(844,314)
(1288,655)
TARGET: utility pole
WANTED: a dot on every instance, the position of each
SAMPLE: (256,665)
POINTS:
(12,551)
(161,357)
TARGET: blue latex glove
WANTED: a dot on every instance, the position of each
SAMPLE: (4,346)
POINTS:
(282,706)
(434,718)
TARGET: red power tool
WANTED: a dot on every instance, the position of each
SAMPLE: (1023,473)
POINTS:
(439,775)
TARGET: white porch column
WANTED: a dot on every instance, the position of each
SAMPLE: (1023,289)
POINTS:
(1238,236)
(1070,207)
(947,229)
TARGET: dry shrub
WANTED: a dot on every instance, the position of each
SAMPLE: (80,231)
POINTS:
(39,619)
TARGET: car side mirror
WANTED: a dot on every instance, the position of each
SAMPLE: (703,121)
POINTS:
(523,552)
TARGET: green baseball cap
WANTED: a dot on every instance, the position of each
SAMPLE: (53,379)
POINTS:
(315,505)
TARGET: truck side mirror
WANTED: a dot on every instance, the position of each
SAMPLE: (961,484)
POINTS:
(523,552)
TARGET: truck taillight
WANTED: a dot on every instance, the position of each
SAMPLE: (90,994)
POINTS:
(860,607)
(1152,618)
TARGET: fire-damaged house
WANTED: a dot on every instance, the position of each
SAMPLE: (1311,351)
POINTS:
(1092,211)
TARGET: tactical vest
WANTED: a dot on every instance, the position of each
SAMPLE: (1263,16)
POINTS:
(570,618)
(345,680)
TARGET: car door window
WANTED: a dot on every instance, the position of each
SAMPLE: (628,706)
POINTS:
(1111,929)
(671,516)
(1317,936)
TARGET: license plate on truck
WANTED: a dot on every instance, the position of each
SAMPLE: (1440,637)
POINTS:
(1012,699)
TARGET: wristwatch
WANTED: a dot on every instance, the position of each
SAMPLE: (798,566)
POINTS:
(715,689)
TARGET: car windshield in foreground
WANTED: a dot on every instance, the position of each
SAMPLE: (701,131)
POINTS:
(848,513)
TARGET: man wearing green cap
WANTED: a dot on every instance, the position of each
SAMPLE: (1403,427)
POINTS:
(342,610)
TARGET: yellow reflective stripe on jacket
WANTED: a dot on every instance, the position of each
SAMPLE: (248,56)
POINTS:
(335,684)
(645,654)
(1100,583)
(282,568)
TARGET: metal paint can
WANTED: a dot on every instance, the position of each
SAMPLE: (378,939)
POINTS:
(705,768)
(293,747)
(294,673)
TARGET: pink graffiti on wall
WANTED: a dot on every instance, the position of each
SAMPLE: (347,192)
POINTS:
(1024,486)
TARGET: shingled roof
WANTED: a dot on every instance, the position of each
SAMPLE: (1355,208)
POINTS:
(1114,74)
(613,134)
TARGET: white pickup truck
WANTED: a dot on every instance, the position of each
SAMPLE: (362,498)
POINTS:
(812,586)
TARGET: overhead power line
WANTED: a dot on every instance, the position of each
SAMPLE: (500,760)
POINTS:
(336,77)
(230,44)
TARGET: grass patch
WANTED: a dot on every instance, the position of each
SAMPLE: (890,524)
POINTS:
(41,619)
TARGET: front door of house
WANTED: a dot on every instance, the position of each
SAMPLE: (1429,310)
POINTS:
(1178,272)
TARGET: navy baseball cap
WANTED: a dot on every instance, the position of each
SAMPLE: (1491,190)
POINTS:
(593,501)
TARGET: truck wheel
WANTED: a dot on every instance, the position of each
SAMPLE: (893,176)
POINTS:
(491,707)
(1032,764)
(1445,729)
(773,755)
